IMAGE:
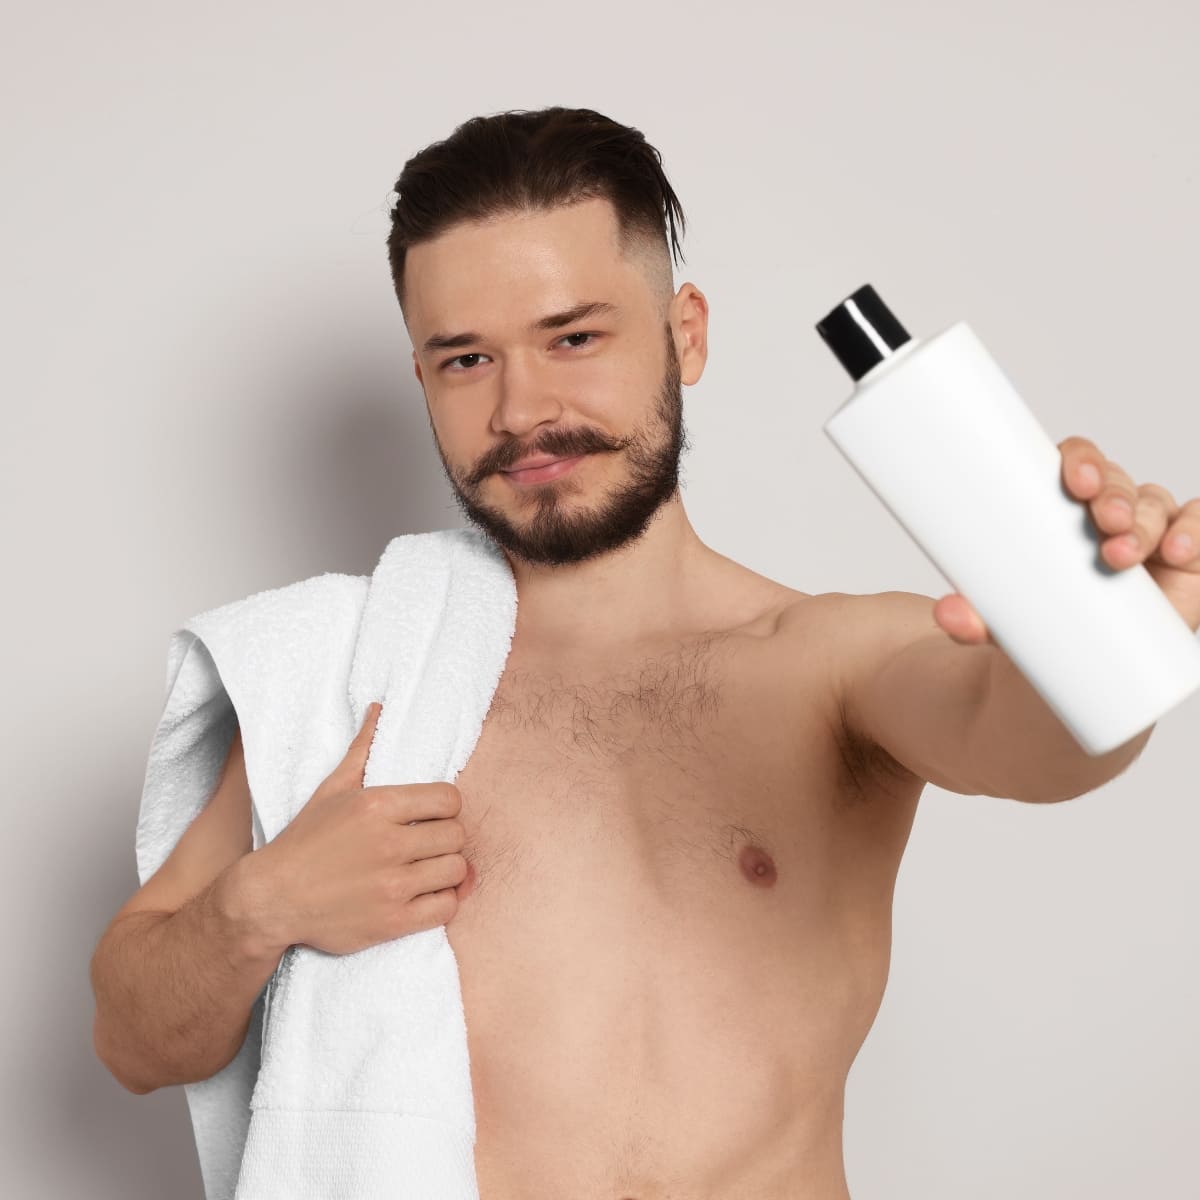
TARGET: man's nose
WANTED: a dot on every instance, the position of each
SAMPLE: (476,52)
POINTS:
(529,394)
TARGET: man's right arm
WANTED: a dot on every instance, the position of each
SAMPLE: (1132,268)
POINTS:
(176,973)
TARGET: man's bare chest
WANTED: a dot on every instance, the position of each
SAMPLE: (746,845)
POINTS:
(708,775)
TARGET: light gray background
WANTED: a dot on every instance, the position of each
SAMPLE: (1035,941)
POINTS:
(208,392)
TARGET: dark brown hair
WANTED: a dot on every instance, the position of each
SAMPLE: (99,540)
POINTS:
(520,160)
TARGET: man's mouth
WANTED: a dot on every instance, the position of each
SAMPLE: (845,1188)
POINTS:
(546,468)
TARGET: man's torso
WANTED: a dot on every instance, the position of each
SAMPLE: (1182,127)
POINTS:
(676,929)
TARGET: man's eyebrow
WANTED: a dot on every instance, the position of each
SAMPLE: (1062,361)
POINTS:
(588,308)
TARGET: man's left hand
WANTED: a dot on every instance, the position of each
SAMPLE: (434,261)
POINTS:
(1141,525)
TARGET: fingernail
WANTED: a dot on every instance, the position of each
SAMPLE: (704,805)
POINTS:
(1089,475)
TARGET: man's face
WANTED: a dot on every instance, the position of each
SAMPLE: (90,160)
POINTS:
(606,385)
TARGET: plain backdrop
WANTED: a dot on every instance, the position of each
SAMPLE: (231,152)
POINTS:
(208,392)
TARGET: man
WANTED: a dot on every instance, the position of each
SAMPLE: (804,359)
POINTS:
(687,807)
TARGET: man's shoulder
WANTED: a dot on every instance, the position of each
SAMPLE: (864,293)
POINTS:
(849,637)
(859,629)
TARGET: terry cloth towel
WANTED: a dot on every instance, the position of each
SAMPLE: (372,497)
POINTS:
(353,1081)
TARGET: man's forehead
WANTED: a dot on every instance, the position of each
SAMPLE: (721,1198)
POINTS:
(485,276)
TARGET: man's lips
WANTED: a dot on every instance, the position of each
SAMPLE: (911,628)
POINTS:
(536,470)
(539,460)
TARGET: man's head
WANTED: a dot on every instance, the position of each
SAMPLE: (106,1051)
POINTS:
(513,219)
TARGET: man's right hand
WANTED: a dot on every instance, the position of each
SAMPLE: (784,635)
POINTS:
(361,865)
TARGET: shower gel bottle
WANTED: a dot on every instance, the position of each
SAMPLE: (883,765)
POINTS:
(941,436)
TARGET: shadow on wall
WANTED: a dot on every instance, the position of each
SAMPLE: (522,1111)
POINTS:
(363,464)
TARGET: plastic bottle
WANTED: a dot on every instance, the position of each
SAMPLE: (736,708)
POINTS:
(942,437)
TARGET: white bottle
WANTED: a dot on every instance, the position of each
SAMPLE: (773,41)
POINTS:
(941,436)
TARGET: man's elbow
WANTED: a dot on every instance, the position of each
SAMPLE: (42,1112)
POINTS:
(1091,775)
(109,1063)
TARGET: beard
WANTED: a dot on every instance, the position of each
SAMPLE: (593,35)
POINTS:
(560,530)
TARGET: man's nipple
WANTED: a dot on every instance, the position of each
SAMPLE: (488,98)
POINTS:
(758,866)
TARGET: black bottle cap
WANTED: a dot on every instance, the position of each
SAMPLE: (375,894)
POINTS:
(862,331)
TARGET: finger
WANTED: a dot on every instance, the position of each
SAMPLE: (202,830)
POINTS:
(1083,467)
(1114,507)
(354,764)
(1132,518)
(1111,493)
(1181,546)
(1140,536)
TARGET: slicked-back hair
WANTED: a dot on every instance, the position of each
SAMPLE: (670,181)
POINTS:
(523,161)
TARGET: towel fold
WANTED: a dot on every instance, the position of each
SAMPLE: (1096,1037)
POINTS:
(354,1080)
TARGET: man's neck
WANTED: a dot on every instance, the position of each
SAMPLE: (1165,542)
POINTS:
(638,593)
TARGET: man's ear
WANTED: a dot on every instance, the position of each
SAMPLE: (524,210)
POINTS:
(417,369)
(691,313)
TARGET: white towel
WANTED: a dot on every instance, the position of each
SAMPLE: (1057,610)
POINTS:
(353,1081)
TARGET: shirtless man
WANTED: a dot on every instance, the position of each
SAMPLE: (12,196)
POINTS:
(682,823)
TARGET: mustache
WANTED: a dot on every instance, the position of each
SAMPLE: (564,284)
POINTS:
(508,456)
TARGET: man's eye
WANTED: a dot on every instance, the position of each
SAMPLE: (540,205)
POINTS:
(450,361)
(582,335)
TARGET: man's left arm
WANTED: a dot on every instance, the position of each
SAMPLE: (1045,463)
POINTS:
(970,719)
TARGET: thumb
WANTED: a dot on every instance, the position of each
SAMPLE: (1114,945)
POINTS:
(354,763)
(957,617)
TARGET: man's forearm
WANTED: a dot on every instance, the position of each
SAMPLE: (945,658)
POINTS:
(1026,752)
(174,993)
